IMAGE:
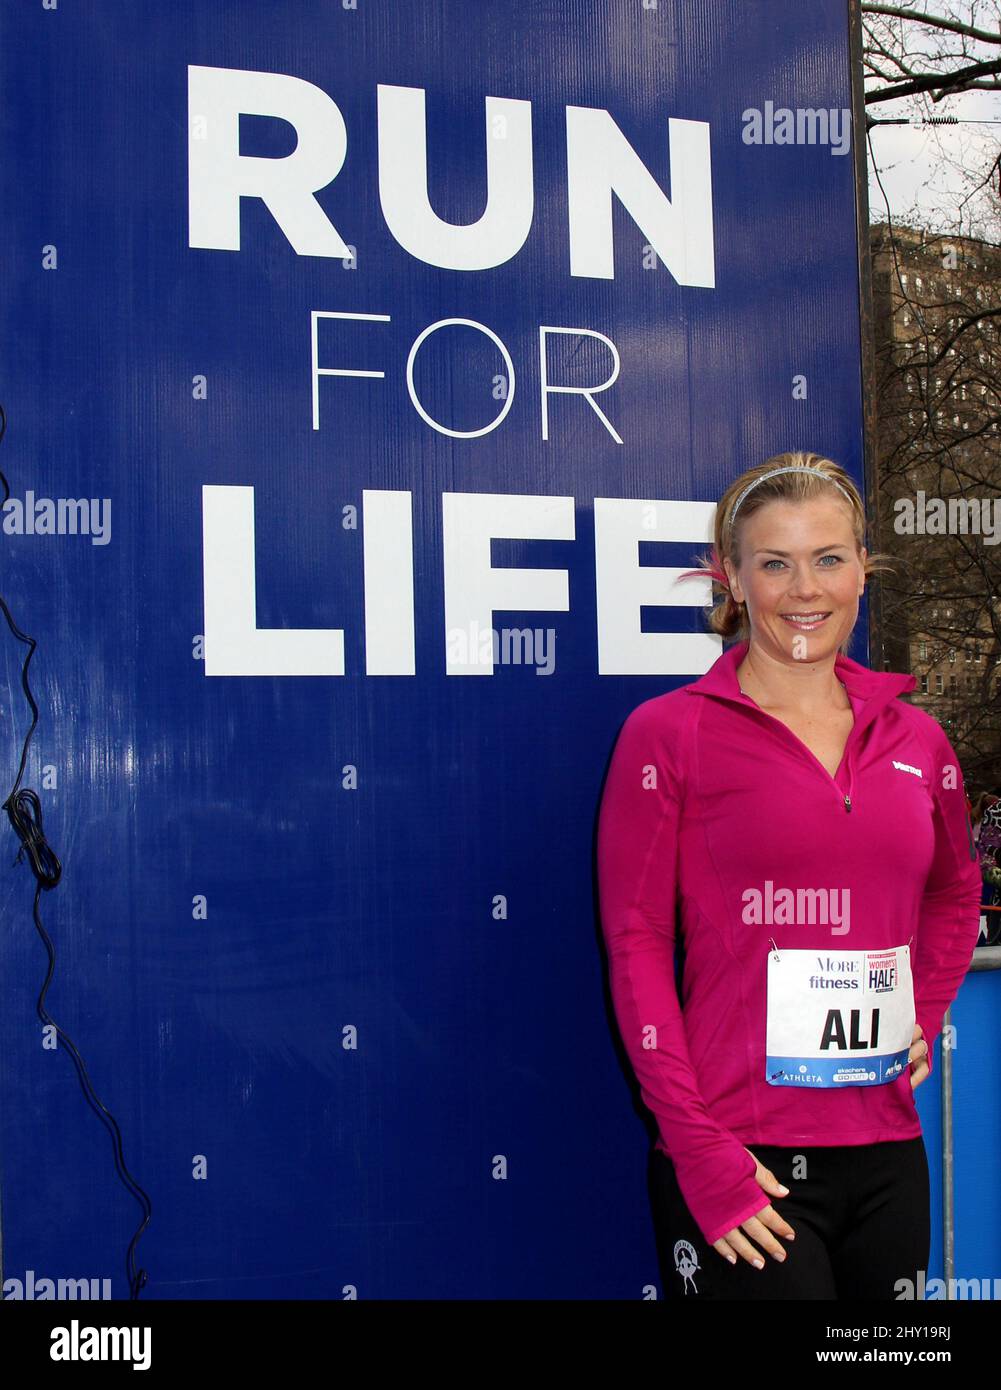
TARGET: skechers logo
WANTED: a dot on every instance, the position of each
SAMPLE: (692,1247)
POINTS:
(906,767)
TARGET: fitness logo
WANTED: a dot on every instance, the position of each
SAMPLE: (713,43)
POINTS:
(686,1262)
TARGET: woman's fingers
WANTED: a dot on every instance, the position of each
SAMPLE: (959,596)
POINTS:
(733,1245)
(762,1235)
(759,1228)
(917,1056)
(919,1071)
(776,1222)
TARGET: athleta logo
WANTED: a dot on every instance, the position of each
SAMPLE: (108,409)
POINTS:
(906,767)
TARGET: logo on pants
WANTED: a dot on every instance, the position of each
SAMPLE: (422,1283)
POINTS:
(686,1262)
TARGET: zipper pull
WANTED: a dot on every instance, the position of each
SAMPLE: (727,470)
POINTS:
(848,803)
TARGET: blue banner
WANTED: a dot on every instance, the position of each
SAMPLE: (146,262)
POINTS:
(352,351)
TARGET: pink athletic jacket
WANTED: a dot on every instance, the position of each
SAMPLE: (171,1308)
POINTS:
(707,796)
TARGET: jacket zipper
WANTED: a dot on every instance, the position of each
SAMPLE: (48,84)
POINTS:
(845,799)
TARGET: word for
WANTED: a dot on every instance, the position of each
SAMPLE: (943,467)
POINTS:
(547,388)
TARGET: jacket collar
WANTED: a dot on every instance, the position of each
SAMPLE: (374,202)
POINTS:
(876,688)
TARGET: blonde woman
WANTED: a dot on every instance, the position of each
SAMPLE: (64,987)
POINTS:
(801,835)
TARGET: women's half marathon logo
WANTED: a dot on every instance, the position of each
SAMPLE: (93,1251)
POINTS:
(58,516)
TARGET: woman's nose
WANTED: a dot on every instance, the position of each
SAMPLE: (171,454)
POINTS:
(804,584)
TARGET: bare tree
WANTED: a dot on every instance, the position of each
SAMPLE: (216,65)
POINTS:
(918,47)
(928,52)
(938,390)
(938,369)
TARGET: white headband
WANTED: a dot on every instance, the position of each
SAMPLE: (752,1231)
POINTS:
(789,468)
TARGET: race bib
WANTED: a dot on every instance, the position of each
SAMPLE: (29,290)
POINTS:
(838,1018)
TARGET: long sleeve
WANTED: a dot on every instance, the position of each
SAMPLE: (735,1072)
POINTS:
(949,921)
(637,873)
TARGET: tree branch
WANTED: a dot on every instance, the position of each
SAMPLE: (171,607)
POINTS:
(934,21)
(944,83)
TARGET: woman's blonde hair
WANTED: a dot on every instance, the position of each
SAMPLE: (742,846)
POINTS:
(726,616)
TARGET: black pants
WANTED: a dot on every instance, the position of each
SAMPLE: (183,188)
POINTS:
(861,1215)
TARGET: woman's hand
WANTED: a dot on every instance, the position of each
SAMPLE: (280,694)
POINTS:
(918,1057)
(759,1227)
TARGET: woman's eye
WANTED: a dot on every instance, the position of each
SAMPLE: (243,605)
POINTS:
(836,558)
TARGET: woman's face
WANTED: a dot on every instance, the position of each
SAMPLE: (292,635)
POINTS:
(799,558)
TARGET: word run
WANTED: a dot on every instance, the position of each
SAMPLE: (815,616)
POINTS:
(474,589)
(598,158)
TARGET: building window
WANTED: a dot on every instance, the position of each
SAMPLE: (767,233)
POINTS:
(923,651)
(924,685)
(939,683)
(952,654)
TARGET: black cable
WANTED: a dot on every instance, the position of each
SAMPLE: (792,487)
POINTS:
(25,814)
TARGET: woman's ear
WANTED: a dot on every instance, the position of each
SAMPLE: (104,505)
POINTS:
(731,574)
